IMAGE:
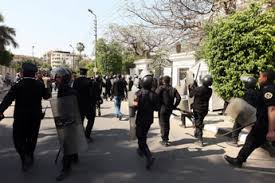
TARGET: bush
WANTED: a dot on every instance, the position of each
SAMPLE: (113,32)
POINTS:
(240,44)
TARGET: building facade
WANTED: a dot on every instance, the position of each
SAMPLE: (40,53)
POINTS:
(60,58)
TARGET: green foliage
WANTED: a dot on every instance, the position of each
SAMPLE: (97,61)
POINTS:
(128,62)
(109,57)
(240,44)
(88,64)
(5,58)
(45,65)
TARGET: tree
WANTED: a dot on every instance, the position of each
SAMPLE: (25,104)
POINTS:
(5,58)
(139,40)
(80,48)
(183,19)
(241,44)
(6,39)
(6,36)
(109,57)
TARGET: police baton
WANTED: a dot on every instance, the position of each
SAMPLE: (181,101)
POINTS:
(225,134)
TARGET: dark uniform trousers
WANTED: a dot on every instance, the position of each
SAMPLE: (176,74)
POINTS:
(255,138)
(25,134)
(236,130)
(164,122)
(141,133)
(90,115)
(199,117)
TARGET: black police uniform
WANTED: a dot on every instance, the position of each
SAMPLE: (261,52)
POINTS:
(147,104)
(201,96)
(87,95)
(108,87)
(27,93)
(130,84)
(257,135)
(167,95)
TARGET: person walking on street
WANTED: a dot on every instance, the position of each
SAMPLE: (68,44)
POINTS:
(169,100)
(87,95)
(201,96)
(264,128)
(146,102)
(119,91)
(27,94)
(251,97)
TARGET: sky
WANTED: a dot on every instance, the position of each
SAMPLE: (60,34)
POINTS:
(55,24)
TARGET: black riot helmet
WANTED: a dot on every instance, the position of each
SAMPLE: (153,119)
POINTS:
(250,83)
(62,75)
(147,82)
(207,80)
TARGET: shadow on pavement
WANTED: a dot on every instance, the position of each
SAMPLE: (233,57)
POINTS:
(112,158)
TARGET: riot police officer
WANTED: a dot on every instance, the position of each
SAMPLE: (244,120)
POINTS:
(87,94)
(27,93)
(264,128)
(251,97)
(169,100)
(146,103)
(68,122)
(201,96)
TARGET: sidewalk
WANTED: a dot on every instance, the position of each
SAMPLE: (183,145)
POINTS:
(219,125)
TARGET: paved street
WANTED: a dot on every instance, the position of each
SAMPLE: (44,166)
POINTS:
(112,157)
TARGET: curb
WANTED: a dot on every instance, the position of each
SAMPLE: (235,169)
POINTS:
(217,130)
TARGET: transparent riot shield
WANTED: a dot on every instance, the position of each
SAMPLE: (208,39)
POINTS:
(68,124)
(241,111)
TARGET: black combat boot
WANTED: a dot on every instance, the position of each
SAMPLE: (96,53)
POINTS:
(233,161)
(149,159)
(27,163)
(183,121)
(139,152)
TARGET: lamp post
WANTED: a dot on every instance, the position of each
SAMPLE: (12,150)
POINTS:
(73,56)
(95,68)
(33,52)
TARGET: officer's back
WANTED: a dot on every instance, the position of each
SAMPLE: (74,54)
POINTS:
(201,96)
(27,93)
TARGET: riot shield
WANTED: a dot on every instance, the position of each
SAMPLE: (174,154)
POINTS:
(132,113)
(68,124)
(240,111)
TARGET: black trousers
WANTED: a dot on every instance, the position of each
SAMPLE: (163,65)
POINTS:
(141,133)
(236,133)
(199,117)
(90,115)
(25,134)
(164,122)
(255,138)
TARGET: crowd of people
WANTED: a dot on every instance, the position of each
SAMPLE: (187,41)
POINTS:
(146,96)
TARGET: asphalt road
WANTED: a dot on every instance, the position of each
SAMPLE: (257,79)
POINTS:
(112,157)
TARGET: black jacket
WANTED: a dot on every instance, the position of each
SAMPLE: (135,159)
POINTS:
(28,94)
(119,88)
(201,96)
(167,95)
(87,93)
(147,104)
(251,96)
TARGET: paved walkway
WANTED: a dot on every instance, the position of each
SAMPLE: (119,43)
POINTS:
(112,157)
